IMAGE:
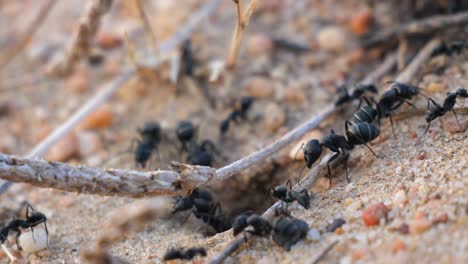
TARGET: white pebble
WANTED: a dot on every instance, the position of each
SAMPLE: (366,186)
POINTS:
(34,244)
(313,235)
(399,199)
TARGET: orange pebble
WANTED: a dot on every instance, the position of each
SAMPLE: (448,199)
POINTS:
(373,213)
(398,245)
(107,40)
(100,118)
(358,254)
(361,22)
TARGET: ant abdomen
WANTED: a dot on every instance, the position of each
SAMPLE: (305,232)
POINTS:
(361,133)
(365,114)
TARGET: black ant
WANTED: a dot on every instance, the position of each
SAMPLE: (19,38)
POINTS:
(32,220)
(188,60)
(365,114)
(357,134)
(202,154)
(150,139)
(448,49)
(203,207)
(393,98)
(185,132)
(345,97)
(435,110)
(184,254)
(240,222)
(288,195)
(245,104)
(261,226)
(287,231)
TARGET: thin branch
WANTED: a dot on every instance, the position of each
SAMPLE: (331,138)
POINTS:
(80,44)
(325,252)
(11,53)
(123,222)
(111,88)
(425,25)
(311,177)
(421,58)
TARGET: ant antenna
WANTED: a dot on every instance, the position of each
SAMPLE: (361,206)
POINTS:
(297,152)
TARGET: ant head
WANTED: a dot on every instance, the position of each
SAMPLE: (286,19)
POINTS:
(312,151)
(246,103)
(185,130)
(462,92)
(151,128)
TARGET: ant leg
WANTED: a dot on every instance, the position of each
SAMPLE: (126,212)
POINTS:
(391,124)
(18,234)
(345,165)
(47,235)
(427,128)
(299,177)
(456,118)
(289,183)
(332,158)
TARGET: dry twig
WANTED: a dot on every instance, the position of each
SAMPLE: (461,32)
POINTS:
(243,20)
(325,252)
(83,36)
(121,223)
(11,53)
(109,89)
(147,26)
(425,25)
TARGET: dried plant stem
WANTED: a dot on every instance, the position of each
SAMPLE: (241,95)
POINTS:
(9,254)
(11,53)
(147,26)
(243,20)
(80,44)
(125,221)
(111,88)
(425,25)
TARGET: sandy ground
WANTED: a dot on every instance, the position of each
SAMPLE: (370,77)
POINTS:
(432,176)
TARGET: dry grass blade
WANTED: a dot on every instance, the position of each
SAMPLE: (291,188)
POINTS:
(325,252)
(11,53)
(147,26)
(242,21)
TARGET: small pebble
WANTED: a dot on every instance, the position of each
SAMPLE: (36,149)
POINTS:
(421,156)
(275,117)
(101,118)
(337,223)
(89,142)
(441,219)
(374,213)
(78,82)
(339,231)
(435,87)
(361,22)
(404,228)
(260,87)
(332,38)
(358,254)
(313,234)
(398,245)
(293,95)
(354,206)
(65,149)
(108,40)
(400,199)
(419,226)
(34,244)
(259,44)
